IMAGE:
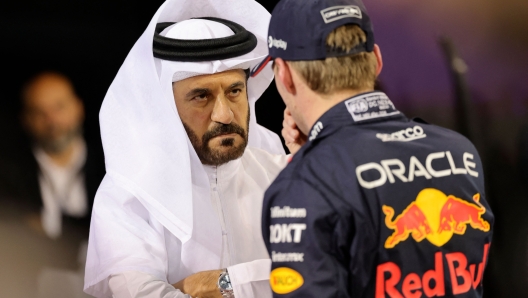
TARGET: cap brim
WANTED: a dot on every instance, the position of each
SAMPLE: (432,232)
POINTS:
(259,67)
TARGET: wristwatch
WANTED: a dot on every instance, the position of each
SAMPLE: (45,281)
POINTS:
(224,285)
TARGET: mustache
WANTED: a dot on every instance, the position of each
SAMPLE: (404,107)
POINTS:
(221,129)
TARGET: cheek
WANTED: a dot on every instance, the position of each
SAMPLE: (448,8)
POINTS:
(295,114)
(70,117)
(297,117)
(281,91)
(240,112)
(285,96)
(197,119)
(37,125)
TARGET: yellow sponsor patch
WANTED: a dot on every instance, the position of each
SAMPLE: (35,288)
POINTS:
(284,280)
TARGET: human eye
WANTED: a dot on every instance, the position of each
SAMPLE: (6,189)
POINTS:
(235,92)
(200,98)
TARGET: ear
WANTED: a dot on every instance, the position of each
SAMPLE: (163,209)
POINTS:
(377,53)
(283,75)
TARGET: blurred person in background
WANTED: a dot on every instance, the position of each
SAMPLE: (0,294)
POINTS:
(56,178)
(47,190)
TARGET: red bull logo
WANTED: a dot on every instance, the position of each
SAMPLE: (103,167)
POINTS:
(456,214)
(435,217)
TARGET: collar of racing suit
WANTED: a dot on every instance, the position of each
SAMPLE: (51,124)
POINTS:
(363,108)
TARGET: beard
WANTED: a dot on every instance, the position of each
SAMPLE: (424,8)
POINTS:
(58,145)
(212,156)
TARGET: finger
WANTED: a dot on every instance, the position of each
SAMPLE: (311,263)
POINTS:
(293,148)
(294,134)
(285,135)
(290,122)
(288,117)
(286,112)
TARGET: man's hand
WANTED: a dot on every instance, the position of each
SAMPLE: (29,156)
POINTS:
(293,137)
(202,284)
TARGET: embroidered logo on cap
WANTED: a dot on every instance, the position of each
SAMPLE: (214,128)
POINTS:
(278,43)
(335,13)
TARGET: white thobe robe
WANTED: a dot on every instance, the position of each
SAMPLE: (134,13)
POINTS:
(141,258)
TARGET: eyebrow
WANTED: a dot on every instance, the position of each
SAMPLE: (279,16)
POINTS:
(239,84)
(198,91)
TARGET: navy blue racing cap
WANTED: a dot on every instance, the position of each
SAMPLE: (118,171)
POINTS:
(298,29)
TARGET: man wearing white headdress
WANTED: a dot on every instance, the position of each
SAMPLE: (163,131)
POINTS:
(187,164)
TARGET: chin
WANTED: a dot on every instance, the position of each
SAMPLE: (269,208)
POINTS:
(226,145)
(221,149)
(226,150)
(222,142)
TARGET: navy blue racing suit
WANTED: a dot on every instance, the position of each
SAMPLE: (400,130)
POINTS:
(378,205)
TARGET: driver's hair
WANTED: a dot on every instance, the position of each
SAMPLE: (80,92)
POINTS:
(357,72)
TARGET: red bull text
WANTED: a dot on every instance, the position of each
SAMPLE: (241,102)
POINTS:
(461,276)
(435,217)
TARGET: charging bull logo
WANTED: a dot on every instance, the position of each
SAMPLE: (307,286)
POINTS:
(435,217)
(457,214)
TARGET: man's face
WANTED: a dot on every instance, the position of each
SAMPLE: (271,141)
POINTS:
(53,114)
(214,110)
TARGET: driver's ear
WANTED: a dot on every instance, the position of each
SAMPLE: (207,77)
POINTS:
(283,75)
(377,53)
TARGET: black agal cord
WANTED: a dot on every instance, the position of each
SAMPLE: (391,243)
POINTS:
(242,42)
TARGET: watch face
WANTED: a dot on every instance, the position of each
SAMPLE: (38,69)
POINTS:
(224,282)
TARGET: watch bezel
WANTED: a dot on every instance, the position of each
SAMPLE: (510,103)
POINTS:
(224,282)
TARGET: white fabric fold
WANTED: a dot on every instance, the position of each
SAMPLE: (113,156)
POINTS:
(136,241)
(251,279)
(134,284)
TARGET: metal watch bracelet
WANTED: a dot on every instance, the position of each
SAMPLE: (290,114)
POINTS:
(224,285)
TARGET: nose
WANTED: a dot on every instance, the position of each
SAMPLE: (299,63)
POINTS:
(48,118)
(222,111)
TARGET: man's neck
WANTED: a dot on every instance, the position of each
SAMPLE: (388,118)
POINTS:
(224,171)
(65,157)
(322,103)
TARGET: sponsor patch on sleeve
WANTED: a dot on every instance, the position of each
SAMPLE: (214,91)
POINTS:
(287,257)
(284,280)
(287,212)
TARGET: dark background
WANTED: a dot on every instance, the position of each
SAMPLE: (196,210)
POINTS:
(88,41)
